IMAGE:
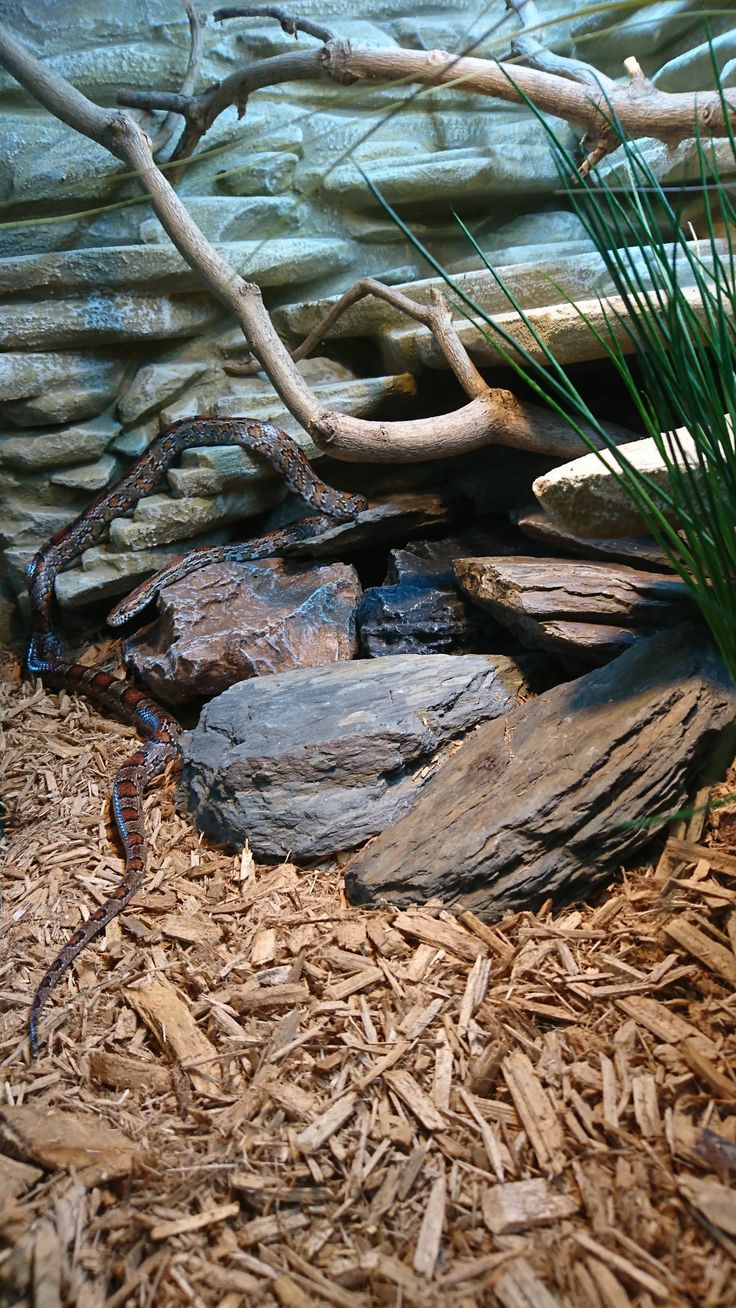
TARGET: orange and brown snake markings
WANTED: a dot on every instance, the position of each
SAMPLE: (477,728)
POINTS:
(46,658)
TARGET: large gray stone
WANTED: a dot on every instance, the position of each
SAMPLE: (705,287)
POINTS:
(552,798)
(592,610)
(157,384)
(59,447)
(102,573)
(90,478)
(36,389)
(638,551)
(158,266)
(312,761)
(98,318)
(587,495)
(159,520)
(31,522)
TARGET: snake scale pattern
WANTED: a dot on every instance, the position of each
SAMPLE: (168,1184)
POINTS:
(46,656)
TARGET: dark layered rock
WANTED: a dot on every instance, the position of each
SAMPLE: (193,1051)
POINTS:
(554,796)
(313,761)
(638,551)
(589,610)
(420,609)
(230,621)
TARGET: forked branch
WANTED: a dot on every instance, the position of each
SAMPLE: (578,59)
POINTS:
(490,416)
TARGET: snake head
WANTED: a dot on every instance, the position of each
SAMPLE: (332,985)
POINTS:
(349,507)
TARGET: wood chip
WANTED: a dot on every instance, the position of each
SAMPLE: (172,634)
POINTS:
(124,1073)
(519,1287)
(536,1110)
(715,1201)
(518,1205)
(53,1139)
(440,935)
(707,951)
(646,1106)
(427,1248)
(16,1177)
(327,1124)
(624,1266)
(165,1230)
(416,1100)
(171,1022)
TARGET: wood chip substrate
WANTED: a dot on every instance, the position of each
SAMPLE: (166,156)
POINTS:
(252,1093)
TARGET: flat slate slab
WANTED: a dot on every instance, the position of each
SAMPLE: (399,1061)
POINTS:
(309,762)
(591,610)
(540,802)
(638,551)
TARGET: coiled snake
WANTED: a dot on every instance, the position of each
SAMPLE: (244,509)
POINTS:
(45,657)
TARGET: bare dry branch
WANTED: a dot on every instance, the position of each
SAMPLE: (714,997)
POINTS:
(196,46)
(435,316)
(588,104)
(490,416)
(201,111)
(289,22)
(528,47)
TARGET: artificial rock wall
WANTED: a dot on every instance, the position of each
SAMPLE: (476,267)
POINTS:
(106,336)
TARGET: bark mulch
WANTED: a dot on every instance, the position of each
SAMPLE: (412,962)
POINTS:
(251,1093)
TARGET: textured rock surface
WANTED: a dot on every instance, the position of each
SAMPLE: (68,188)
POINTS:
(638,551)
(101,308)
(586,497)
(498,828)
(415,616)
(591,610)
(113,569)
(236,620)
(419,609)
(56,447)
(309,762)
(51,388)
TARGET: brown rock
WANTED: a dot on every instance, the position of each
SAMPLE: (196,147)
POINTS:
(592,610)
(231,621)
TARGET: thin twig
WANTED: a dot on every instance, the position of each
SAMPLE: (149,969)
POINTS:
(289,22)
(535,55)
(196,47)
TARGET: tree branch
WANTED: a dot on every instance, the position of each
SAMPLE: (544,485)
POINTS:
(490,416)
(528,47)
(289,22)
(589,102)
(196,46)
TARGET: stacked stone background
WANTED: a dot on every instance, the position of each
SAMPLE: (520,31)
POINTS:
(106,336)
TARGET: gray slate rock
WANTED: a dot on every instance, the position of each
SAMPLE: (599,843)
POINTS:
(419,609)
(36,389)
(540,803)
(230,621)
(313,761)
(639,551)
(97,318)
(58,447)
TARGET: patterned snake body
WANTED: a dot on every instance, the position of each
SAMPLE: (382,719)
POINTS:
(46,658)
